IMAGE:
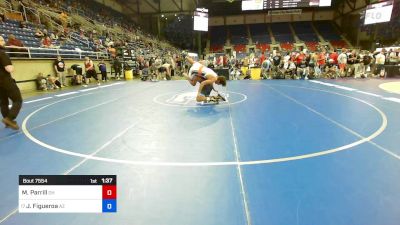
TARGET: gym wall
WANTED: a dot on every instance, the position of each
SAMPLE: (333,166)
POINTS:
(27,70)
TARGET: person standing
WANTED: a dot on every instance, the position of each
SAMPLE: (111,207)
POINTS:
(342,60)
(117,68)
(380,63)
(8,90)
(59,66)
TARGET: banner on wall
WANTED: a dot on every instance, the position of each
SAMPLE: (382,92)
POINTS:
(285,12)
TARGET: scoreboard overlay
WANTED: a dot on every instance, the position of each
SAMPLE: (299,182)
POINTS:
(67,194)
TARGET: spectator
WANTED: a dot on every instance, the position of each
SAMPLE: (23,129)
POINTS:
(112,51)
(13,41)
(90,71)
(334,56)
(302,69)
(59,67)
(23,25)
(276,61)
(53,36)
(342,60)
(380,64)
(78,77)
(64,19)
(366,62)
(265,68)
(41,82)
(45,32)
(39,33)
(322,60)
(392,57)
(46,43)
(52,83)
(103,70)
(351,61)
(331,69)
(16,46)
(117,65)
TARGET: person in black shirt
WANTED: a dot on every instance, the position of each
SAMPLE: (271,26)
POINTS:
(59,67)
(366,61)
(8,90)
(351,60)
(117,65)
(276,61)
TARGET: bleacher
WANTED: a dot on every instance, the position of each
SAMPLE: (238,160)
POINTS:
(327,30)
(329,33)
(218,38)
(282,32)
(259,35)
(312,46)
(27,37)
(238,35)
(288,46)
(239,48)
(339,44)
(305,32)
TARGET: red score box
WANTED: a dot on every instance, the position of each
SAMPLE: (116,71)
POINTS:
(109,192)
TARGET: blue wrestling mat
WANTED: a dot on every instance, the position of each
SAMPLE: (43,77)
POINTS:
(278,152)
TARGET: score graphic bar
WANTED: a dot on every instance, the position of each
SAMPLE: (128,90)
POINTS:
(67,193)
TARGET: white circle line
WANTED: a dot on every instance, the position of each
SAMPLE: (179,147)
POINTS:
(155,99)
(205,164)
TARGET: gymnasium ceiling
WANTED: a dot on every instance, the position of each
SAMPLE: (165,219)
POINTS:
(144,7)
(216,7)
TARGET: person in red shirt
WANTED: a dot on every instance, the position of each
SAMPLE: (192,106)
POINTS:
(13,41)
(334,56)
(321,60)
(300,58)
(262,58)
(90,71)
(46,42)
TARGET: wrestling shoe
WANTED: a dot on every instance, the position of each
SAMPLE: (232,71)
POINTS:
(10,123)
(214,99)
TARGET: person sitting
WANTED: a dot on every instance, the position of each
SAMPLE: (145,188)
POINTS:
(41,82)
(303,69)
(289,69)
(53,36)
(52,83)
(235,73)
(13,41)
(46,43)
(15,45)
(331,69)
(248,75)
(23,25)
(39,33)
